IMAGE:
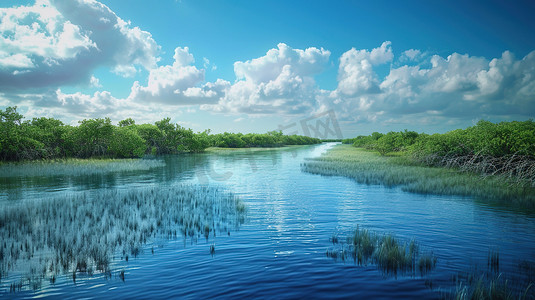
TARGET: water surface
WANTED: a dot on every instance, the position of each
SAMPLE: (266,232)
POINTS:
(279,252)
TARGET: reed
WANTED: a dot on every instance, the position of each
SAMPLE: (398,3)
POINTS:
(387,252)
(493,288)
(494,284)
(84,232)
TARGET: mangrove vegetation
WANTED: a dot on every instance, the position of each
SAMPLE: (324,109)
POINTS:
(49,138)
(506,148)
(486,161)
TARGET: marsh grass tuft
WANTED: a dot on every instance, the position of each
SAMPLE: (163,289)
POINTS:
(386,251)
(495,287)
(82,232)
(493,261)
(493,284)
(370,168)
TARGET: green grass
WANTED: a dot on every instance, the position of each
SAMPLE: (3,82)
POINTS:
(387,252)
(370,168)
(76,167)
(83,232)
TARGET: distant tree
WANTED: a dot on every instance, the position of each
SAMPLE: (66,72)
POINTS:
(127,143)
(126,122)
(92,137)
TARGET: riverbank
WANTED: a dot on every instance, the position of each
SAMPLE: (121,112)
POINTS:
(369,167)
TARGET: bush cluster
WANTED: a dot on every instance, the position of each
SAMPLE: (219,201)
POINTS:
(506,148)
(270,139)
(485,138)
(48,138)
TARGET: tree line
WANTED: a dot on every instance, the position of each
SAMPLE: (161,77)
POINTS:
(485,138)
(487,148)
(49,138)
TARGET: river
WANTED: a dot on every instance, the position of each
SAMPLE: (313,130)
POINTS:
(280,250)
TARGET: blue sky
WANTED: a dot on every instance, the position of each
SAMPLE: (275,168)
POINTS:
(429,66)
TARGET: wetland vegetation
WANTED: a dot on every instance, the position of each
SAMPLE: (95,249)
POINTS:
(96,231)
(83,232)
(506,149)
(487,161)
(48,138)
(385,251)
(368,167)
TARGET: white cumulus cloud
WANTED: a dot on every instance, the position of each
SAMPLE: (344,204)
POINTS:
(57,42)
(279,82)
(356,75)
(457,88)
(178,84)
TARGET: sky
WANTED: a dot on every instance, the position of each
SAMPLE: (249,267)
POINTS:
(256,66)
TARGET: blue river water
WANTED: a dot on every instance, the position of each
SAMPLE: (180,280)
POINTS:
(279,252)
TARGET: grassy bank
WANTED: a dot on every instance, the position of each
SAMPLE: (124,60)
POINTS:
(75,167)
(371,168)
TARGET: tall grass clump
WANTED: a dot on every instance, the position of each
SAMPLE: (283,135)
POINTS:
(387,252)
(399,170)
(493,287)
(84,232)
(494,284)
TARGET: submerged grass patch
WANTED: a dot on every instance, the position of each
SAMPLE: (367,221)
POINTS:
(386,251)
(492,283)
(370,168)
(83,232)
(76,167)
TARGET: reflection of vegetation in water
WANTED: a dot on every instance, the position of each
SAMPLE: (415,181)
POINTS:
(82,232)
(387,252)
(76,167)
(371,168)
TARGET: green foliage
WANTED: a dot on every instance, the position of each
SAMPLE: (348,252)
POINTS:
(11,139)
(386,143)
(200,141)
(485,138)
(47,138)
(127,122)
(92,137)
(50,132)
(127,143)
(152,135)
(270,139)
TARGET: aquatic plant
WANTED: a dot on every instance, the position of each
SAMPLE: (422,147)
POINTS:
(386,251)
(76,167)
(496,287)
(84,232)
(371,168)
(494,284)
(493,261)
